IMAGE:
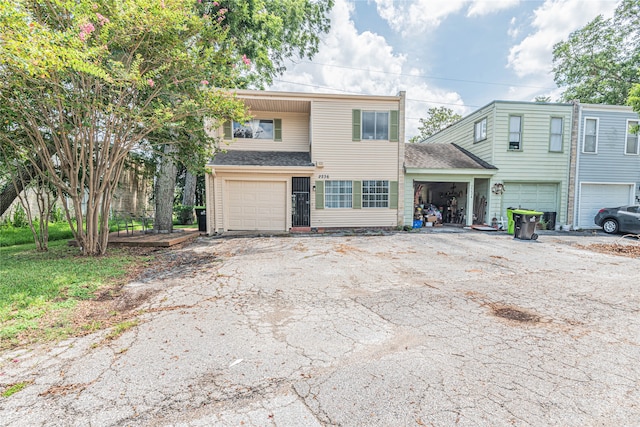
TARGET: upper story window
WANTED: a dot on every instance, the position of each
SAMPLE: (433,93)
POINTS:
(590,141)
(480,130)
(555,135)
(375,194)
(338,194)
(515,132)
(267,129)
(253,129)
(631,144)
(375,125)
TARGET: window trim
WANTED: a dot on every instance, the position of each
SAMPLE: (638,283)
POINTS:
(584,135)
(375,131)
(346,200)
(551,134)
(367,204)
(276,133)
(483,136)
(520,132)
(626,138)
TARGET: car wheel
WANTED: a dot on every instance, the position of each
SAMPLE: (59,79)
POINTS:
(610,226)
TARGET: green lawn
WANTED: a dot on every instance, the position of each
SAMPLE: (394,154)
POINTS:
(40,290)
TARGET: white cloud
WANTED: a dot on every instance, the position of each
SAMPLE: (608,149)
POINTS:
(418,16)
(514,29)
(486,7)
(553,22)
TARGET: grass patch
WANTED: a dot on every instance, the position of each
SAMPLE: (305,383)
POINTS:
(14,388)
(11,236)
(121,328)
(40,292)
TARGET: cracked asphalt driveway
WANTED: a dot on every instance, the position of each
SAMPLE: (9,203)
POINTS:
(411,329)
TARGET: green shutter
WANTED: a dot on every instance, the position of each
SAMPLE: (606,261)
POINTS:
(394,128)
(277,129)
(393,194)
(356,195)
(226,128)
(355,117)
(319,194)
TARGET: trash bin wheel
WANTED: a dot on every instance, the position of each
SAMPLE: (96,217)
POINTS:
(534,236)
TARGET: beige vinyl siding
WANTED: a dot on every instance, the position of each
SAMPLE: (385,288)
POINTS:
(344,159)
(218,202)
(295,134)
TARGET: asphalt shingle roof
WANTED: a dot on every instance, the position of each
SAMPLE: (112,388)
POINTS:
(441,156)
(262,158)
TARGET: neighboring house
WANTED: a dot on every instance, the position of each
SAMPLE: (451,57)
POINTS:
(606,165)
(446,176)
(529,143)
(309,161)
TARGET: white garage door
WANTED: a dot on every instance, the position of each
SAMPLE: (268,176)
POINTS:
(594,197)
(257,205)
(540,197)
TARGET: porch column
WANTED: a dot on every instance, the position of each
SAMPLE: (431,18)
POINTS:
(470,199)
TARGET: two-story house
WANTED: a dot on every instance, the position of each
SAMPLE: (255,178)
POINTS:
(529,146)
(309,161)
(606,161)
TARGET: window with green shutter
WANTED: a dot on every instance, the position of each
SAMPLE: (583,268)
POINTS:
(393,194)
(226,128)
(356,125)
(394,126)
(319,186)
(357,195)
(277,130)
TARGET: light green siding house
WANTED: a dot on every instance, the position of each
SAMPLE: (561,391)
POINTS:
(529,143)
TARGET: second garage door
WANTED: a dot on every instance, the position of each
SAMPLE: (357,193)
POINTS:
(540,197)
(593,197)
(257,205)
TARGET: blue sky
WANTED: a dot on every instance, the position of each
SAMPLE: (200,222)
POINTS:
(461,54)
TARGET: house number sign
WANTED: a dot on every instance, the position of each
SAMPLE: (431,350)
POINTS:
(323,176)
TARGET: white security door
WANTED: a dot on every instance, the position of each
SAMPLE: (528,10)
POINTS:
(594,197)
(257,205)
(539,197)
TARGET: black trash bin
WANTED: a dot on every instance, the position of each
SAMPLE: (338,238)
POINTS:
(549,218)
(201,214)
(525,224)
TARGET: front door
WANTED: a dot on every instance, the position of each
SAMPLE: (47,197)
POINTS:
(300,205)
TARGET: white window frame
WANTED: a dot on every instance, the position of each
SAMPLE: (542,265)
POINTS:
(378,121)
(338,194)
(375,193)
(512,116)
(480,130)
(584,135)
(255,127)
(557,135)
(628,135)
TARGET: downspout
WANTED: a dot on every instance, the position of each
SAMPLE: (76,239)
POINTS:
(576,163)
(400,164)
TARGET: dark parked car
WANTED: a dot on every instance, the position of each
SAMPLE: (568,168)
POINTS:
(623,219)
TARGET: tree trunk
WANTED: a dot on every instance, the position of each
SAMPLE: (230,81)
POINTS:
(165,189)
(189,195)
(9,191)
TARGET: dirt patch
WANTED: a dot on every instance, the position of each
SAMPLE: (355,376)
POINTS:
(515,314)
(631,250)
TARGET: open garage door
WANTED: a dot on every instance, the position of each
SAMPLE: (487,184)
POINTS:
(540,197)
(257,205)
(593,197)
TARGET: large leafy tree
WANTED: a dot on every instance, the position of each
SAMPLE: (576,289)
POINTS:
(265,34)
(437,119)
(86,82)
(600,62)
